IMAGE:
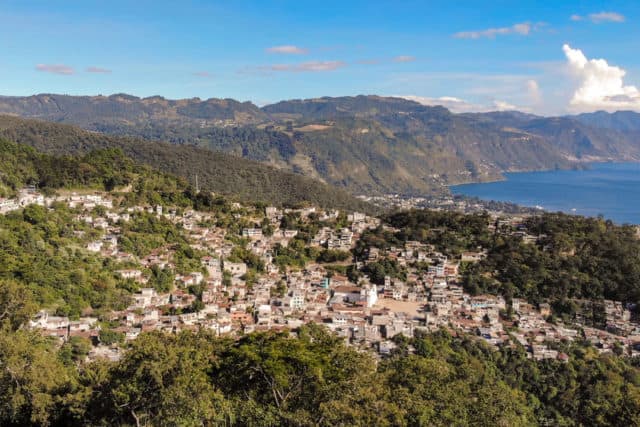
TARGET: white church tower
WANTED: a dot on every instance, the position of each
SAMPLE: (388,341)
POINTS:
(369,295)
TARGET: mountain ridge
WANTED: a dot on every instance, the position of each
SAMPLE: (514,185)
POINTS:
(366,144)
(80,110)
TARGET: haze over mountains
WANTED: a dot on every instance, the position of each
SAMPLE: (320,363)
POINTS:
(365,144)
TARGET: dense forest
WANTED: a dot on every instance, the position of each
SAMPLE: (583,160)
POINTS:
(100,169)
(219,172)
(450,232)
(574,258)
(251,142)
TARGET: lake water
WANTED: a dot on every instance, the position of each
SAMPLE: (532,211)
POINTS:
(610,189)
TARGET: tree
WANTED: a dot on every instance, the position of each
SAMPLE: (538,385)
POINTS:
(162,380)
(31,376)
(16,305)
(307,381)
(161,279)
(110,337)
(75,349)
(35,214)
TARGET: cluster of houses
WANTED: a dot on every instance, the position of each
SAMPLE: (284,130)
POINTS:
(367,314)
(333,239)
(446,202)
(26,196)
(31,196)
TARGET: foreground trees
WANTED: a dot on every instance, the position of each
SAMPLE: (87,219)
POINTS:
(162,380)
(273,379)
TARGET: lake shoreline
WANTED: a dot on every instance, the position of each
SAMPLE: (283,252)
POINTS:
(608,188)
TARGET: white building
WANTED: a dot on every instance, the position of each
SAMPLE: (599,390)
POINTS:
(252,233)
(94,246)
(8,205)
(369,295)
(237,269)
(297,300)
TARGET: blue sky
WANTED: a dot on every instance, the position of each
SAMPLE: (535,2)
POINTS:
(468,55)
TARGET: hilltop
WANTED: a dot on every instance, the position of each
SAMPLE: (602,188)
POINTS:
(92,112)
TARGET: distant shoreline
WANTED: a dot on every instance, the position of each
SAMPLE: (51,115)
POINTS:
(582,166)
(611,189)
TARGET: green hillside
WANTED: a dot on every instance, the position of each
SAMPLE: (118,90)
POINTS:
(218,172)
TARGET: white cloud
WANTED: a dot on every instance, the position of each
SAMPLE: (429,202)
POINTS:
(523,29)
(404,58)
(311,66)
(457,105)
(600,85)
(606,17)
(454,104)
(55,69)
(288,49)
(600,17)
(98,70)
(504,106)
(533,91)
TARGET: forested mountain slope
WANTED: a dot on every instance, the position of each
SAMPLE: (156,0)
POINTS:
(365,144)
(218,172)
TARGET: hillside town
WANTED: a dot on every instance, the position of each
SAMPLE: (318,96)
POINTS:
(234,298)
(449,202)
